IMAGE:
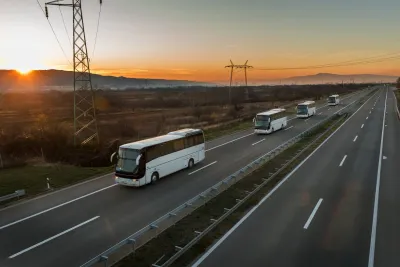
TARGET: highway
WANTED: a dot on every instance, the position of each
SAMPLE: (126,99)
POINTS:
(339,207)
(70,226)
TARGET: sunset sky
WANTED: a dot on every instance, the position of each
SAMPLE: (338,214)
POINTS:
(194,40)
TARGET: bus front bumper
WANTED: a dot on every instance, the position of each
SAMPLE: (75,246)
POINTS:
(261,131)
(127,182)
(302,115)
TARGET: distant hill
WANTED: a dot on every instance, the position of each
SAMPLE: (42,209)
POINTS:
(335,78)
(63,80)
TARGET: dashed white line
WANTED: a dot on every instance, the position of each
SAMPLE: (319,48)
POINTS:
(355,138)
(224,237)
(313,214)
(376,201)
(53,237)
(341,163)
(258,142)
(362,126)
(366,118)
(307,119)
(289,128)
(320,113)
(229,142)
(55,207)
(208,165)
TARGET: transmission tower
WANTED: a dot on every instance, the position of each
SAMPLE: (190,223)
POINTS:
(85,123)
(232,67)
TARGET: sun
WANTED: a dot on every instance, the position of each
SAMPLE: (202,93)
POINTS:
(23,71)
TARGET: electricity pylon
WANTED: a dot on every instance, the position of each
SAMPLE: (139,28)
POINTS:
(85,123)
(232,67)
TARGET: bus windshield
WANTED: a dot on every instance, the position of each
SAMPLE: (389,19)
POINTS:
(302,109)
(332,99)
(127,160)
(262,119)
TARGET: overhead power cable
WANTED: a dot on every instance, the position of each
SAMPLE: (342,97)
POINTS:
(55,35)
(369,60)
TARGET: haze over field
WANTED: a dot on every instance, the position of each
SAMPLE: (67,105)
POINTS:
(194,40)
(11,80)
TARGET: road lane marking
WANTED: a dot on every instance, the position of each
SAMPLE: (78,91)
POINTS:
(312,214)
(307,119)
(55,207)
(341,163)
(355,138)
(224,237)
(53,237)
(362,126)
(229,142)
(376,201)
(366,118)
(320,113)
(208,165)
(288,128)
(258,142)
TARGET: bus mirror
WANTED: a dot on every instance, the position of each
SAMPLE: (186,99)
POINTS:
(254,119)
(113,155)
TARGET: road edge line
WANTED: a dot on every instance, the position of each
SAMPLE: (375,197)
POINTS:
(225,236)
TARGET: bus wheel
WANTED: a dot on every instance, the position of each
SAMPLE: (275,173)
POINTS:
(154,178)
(190,163)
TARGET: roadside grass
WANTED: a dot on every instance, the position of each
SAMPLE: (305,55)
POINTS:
(33,178)
(183,231)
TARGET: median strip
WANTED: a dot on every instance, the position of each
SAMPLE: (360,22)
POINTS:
(163,247)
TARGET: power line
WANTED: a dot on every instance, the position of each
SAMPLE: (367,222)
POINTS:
(97,31)
(375,59)
(55,35)
(65,26)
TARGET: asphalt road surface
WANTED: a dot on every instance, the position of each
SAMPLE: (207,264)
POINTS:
(71,226)
(328,211)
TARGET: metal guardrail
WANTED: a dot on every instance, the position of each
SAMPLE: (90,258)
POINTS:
(141,237)
(17,194)
(229,211)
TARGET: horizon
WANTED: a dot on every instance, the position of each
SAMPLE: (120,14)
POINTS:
(185,40)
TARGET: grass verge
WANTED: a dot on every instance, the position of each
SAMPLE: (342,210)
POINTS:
(184,230)
(33,178)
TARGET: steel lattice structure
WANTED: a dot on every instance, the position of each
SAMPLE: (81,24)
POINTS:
(85,123)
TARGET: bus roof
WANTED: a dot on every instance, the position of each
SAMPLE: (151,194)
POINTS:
(151,141)
(334,95)
(308,102)
(186,132)
(272,111)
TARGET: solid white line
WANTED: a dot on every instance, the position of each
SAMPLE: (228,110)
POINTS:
(55,207)
(376,201)
(355,138)
(53,237)
(288,128)
(229,142)
(258,142)
(341,163)
(312,214)
(216,245)
(362,126)
(203,167)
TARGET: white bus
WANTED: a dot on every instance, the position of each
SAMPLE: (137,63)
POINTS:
(306,109)
(333,100)
(270,121)
(146,161)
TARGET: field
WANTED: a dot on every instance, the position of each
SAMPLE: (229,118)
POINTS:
(36,128)
(39,125)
